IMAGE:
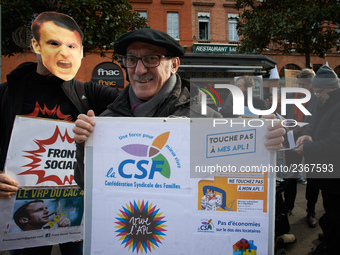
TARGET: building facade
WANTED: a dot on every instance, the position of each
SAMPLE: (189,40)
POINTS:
(207,30)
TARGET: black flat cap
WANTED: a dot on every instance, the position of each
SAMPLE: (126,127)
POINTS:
(151,36)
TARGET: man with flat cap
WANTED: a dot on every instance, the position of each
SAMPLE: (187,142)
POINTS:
(320,145)
(155,90)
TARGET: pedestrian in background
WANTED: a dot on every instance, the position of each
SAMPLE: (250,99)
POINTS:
(320,144)
(243,83)
(305,78)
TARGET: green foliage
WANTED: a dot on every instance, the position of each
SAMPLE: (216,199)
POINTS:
(102,21)
(308,27)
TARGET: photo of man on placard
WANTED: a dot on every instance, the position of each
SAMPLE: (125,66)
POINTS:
(47,213)
(36,215)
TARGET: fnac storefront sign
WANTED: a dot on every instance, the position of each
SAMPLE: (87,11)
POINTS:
(108,73)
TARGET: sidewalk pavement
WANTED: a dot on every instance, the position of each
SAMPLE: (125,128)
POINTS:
(307,237)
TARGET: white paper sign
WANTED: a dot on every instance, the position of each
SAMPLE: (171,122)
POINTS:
(41,152)
(41,157)
(142,198)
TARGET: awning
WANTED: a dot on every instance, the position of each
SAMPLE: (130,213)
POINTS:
(227,62)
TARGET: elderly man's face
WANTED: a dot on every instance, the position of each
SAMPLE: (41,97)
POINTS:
(61,50)
(241,85)
(146,82)
(322,94)
(304,83)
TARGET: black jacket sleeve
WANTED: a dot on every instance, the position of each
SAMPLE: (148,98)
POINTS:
(79,168)
(100,96)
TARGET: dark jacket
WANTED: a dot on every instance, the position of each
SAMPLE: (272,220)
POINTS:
(12,94)
(181,102)
(310,106)
(325,148)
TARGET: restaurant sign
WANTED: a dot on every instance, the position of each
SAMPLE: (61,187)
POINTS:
(214,48)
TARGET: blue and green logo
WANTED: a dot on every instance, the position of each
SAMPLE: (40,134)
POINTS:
(154,161)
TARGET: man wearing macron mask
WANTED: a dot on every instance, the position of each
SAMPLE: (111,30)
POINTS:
(47,89)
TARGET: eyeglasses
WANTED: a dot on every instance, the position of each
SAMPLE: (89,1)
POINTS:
(148,60)
(318,92)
